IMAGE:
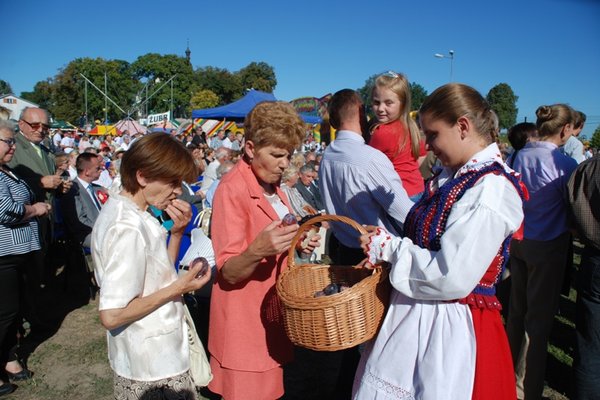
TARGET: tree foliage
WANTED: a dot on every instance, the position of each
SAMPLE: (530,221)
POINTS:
(418,94)
(204,98)
(219,81)
(156,70)
(504,102)
(259,76)
(595,141)
(153,83)
(5,87)
(42,94)
(365,91)
(69,87)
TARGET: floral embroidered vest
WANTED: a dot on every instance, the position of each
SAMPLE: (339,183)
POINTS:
(426,223)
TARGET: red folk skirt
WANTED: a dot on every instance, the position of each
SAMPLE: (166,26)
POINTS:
(494,371)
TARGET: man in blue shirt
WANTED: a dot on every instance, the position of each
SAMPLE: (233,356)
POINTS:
(357,180)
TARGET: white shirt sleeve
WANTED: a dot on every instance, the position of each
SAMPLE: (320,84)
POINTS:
(477,226)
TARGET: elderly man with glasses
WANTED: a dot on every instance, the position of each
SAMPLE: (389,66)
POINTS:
(34,163)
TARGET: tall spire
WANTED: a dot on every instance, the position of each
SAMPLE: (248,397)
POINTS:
(187,51)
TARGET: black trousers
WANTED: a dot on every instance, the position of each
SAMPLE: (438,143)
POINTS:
(586,363)
(34,306)
(11,268)
(320,375)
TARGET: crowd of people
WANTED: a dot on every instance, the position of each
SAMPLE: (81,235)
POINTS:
(451,210)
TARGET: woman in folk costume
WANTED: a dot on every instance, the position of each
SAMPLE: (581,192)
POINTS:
(442,337)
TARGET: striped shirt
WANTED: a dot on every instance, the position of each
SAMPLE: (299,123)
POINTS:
(16,235)
(359,182)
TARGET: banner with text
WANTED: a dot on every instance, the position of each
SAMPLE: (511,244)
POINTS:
(158,118)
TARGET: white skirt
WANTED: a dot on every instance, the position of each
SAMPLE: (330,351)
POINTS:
(425,350)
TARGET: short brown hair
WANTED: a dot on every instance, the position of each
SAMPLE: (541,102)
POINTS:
(343,106)
(274,123)
(83,161)
(158,157)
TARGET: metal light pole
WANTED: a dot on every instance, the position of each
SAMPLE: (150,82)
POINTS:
(105,102)
(146,100)
(86,106)
(451,57)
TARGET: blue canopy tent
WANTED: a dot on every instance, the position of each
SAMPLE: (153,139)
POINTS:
(311,119)
(237,110)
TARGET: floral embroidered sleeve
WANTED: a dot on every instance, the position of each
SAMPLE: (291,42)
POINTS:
(382,246)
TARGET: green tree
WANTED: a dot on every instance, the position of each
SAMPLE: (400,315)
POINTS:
(68,99)
(365,92)
(219,81)
(504,102)
(418,94)
(42,94)
(5,87)
(156,70)
(259,76)
(595,141)
(204,99)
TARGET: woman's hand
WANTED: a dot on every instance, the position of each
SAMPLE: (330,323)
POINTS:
(65,186)
(310,241)
(41,209)
(50,182)
(274,239)
(372,244)
(193,280)
(365,239)
(181,213)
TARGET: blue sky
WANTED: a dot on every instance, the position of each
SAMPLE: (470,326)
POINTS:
(548,51)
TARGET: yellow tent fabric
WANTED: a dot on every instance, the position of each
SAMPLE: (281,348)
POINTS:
(105,130)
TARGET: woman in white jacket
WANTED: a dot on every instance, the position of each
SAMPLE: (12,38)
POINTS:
(141,302)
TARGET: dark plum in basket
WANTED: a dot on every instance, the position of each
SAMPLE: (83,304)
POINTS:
(331,289)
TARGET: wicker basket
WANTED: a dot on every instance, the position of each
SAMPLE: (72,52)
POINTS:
(338,321)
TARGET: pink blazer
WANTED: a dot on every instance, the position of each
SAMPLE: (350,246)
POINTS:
(246,328)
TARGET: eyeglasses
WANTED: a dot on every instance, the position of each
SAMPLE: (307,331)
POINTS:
(37,125)
(9,142)
(391,74)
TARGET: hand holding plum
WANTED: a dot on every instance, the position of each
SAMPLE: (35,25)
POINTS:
(274,239)
(203,266)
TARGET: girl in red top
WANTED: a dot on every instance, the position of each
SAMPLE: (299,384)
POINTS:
(396,134)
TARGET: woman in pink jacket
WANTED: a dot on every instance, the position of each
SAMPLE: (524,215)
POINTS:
(247,340)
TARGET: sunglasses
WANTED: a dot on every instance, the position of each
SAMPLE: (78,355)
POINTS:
(9,142)
(391,74)
(37,125)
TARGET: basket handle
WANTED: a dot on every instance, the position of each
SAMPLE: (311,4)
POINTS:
(310,223)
